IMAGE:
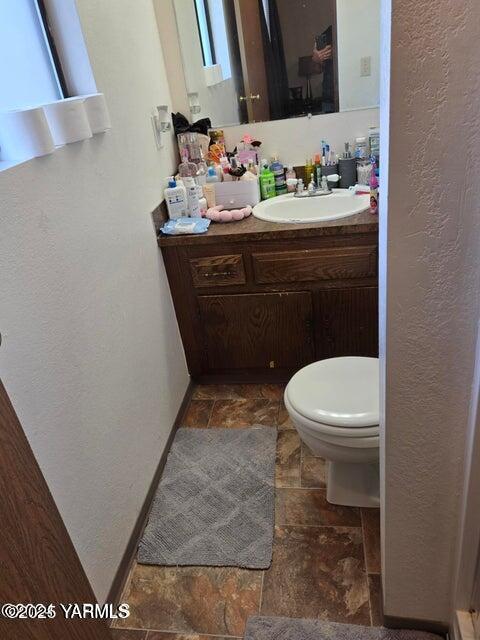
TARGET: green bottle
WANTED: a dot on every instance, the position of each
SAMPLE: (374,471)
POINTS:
(267,182)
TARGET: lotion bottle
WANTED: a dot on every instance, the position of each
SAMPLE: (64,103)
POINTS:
(176,199)
(192,198)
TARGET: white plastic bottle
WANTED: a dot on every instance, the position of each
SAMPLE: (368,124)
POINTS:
(192,198)
(209,187)
(291,178)
(176,199)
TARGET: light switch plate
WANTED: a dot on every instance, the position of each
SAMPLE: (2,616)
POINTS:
(365,66)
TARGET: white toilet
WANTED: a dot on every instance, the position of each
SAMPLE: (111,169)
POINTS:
(334,405)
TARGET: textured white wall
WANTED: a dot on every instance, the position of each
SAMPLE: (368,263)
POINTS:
(430,312)
(91,354)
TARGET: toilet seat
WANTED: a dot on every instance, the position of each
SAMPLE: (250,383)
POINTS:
(358,437)
(338,393)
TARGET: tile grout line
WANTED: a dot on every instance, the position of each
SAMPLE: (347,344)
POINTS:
(211,413)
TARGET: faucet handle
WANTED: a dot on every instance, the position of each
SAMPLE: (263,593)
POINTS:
(325,183)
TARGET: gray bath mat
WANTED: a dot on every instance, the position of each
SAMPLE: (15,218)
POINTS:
(263,628)
(215,502)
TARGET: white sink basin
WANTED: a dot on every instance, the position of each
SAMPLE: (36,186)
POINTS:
(339,204)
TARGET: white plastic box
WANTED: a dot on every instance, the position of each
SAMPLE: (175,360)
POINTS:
(237,193)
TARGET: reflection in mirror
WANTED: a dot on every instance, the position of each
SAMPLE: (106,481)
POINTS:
(259,60)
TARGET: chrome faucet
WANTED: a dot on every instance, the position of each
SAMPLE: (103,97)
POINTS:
(312,190)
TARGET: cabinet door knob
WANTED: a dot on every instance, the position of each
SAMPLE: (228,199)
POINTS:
(255,97)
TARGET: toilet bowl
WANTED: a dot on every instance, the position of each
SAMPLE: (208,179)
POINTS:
(334,405)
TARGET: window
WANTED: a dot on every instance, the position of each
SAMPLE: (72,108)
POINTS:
(205,30)
(213,35)
(29,66)
(35,116)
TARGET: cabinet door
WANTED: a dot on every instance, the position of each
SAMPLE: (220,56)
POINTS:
(346,322)
(257,331)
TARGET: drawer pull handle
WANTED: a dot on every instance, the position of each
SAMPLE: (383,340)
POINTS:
(217,274)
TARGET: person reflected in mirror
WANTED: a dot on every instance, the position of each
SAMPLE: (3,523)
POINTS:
(322,55)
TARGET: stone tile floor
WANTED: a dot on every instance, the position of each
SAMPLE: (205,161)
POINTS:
(326,558)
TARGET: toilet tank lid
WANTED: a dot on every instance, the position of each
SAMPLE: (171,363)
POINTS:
(342,392)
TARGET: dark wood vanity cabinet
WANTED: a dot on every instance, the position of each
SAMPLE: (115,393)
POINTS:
(259,309)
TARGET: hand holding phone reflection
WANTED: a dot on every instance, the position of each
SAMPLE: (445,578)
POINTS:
(321,55)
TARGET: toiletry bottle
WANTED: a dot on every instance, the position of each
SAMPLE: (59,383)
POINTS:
(187,169)
(360,148)
(278,171)
(374,143)
(326,158)
(308,169)
(373,191)
(201,176)
(267,182)
(248,175)
(212,175)
(318,170)
(209,186)
(203,204)
(176,199)
(290,175)
(192,197)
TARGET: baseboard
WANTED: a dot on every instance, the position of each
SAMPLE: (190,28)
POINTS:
(128,557)
(394,622)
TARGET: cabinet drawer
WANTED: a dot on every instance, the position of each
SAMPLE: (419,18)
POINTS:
(337,263)
(213,271)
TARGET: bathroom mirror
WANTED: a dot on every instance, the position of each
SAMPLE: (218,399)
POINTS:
(260,60)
